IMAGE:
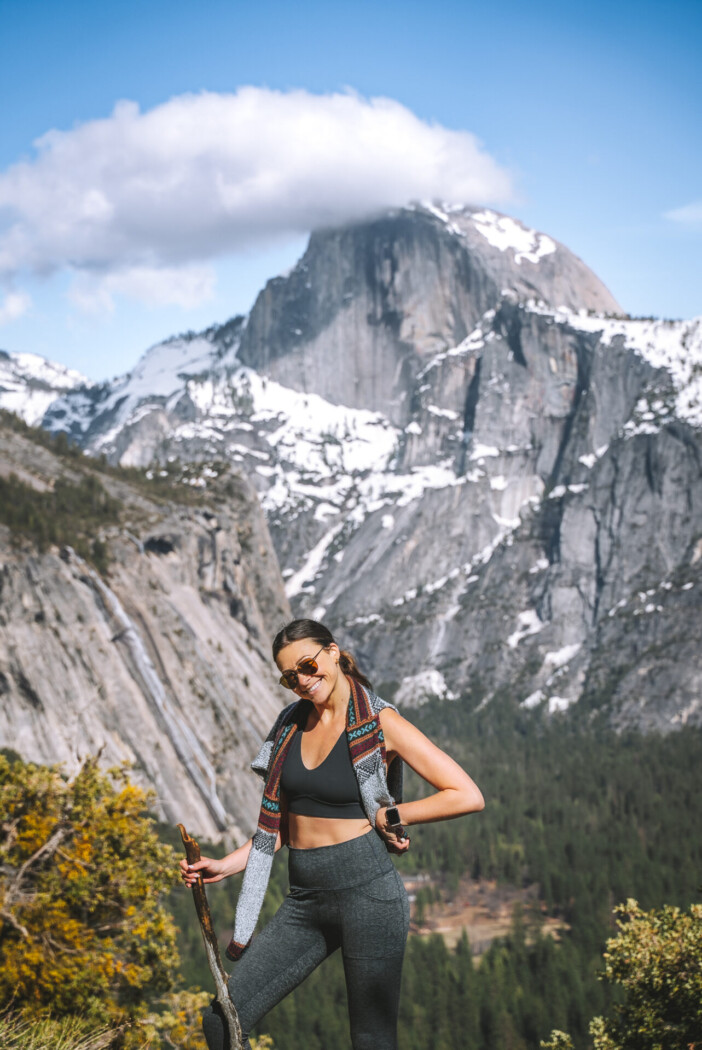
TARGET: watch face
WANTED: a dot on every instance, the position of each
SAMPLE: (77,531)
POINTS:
(392,816)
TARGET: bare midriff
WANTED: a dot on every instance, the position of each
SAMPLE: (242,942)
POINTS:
(312,832)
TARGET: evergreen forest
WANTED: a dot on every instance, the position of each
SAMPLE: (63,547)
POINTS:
(586,817)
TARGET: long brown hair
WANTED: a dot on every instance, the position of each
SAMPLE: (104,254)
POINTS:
(297,630)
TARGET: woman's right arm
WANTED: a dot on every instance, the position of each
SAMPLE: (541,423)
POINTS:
(213,870)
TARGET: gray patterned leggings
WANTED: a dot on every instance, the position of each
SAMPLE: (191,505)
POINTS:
(347,896)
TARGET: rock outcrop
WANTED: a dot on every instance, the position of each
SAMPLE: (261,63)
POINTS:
(163,663)
(560,560)
(368,305)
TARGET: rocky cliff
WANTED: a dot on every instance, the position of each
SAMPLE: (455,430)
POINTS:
(559,559)
(481,474)
(163,661)
(367,306)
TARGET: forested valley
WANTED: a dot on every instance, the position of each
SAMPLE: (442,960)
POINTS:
(587,817)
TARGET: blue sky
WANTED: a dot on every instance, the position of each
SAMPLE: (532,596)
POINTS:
(586,118)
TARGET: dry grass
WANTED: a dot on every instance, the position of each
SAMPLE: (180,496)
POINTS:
(71,1033)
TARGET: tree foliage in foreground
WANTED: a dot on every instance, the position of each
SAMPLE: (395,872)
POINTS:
(656,958)
(83,927)
(656,961)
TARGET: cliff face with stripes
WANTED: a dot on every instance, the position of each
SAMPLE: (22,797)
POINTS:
(161,661)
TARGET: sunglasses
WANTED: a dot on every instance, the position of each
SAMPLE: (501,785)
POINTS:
(307,666)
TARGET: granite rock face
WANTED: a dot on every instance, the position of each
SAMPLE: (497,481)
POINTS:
(367,306)
(481,475)
(163,664)
(563,565)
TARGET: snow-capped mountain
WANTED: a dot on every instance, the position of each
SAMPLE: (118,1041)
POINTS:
(473,466)
(29,384)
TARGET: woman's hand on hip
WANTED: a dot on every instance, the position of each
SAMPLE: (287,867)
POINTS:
(396,841)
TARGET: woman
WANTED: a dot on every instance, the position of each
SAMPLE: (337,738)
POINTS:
(333,769)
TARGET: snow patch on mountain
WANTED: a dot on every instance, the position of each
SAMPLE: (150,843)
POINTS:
(159,375)
(313,563)
(420,688)
(529,623)
(500,231)
(675,346)
(503,232)
(29,384)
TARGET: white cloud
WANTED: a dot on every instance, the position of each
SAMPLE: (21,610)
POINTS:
(13,306)
(690,214)
(186,286)
(129,201)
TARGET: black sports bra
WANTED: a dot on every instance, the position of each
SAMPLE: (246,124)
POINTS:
(328,790)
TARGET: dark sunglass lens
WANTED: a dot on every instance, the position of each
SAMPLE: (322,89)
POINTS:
(307,666)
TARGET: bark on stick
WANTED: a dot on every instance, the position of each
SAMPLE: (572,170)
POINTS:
(192,852)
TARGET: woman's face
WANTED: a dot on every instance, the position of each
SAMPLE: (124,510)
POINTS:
(320,686)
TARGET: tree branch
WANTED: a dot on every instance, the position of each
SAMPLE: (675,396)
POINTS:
(9,917)
(49,847)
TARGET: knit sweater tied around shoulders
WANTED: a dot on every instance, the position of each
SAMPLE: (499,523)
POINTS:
(377,788)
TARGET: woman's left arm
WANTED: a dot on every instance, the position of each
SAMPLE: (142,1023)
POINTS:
(456,793)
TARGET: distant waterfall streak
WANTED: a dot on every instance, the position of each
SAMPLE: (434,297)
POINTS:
(179,732)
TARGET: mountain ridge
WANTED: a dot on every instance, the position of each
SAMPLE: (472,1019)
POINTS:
(439,444)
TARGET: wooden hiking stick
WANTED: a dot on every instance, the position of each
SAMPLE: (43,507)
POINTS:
(192,852)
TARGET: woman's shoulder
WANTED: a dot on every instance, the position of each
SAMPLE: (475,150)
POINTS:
(377,704)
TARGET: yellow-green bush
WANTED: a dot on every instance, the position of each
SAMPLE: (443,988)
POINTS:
(656,962)
(83,877)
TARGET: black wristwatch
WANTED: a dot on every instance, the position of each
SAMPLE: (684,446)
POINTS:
(393,821)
